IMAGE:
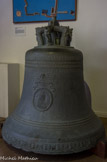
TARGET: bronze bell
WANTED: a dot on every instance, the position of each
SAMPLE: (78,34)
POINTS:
(54,115)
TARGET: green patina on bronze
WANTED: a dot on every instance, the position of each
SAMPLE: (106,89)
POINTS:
(54,115)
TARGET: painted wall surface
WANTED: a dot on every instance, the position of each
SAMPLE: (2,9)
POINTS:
(89,35)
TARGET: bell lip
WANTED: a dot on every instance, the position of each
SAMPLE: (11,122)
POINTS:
(49,146)
(76,146)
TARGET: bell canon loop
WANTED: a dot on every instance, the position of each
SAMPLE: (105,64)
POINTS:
(54,115)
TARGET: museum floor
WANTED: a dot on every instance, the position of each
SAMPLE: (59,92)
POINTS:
(19,155)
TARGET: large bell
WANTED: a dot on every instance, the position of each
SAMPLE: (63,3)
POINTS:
(54,115)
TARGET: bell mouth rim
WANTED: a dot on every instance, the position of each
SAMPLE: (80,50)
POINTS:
(74,145)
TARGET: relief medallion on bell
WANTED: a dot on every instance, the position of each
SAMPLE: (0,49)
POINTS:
(43,93)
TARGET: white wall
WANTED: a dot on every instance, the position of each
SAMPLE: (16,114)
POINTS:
(90,36)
